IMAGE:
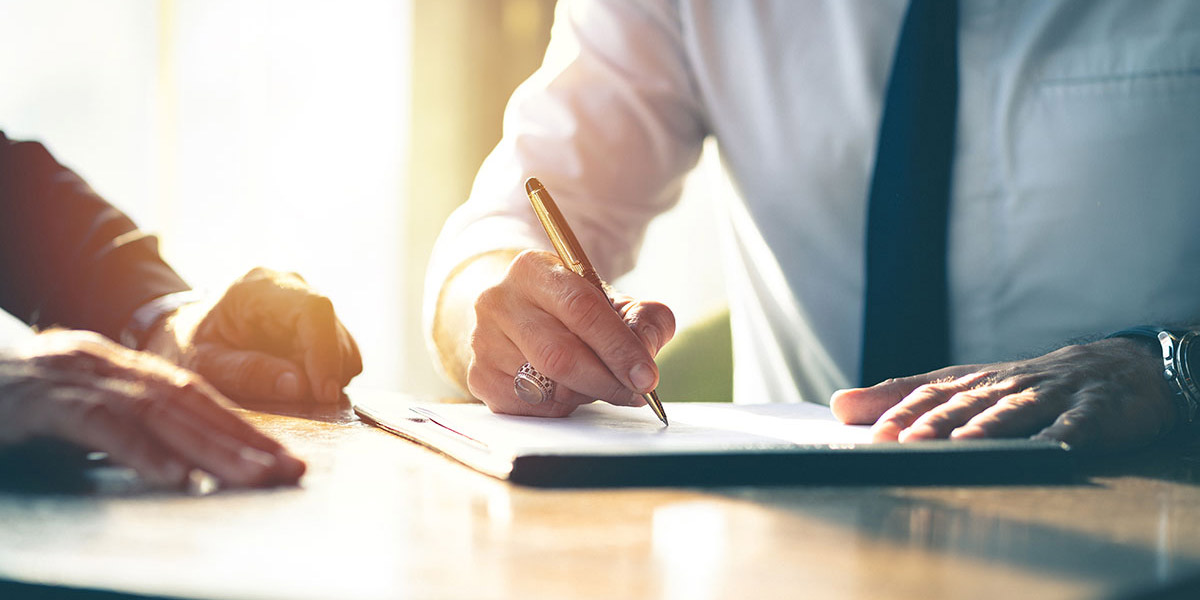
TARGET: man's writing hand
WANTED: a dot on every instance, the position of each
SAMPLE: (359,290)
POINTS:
(270,337)
(542,313)
(1103,396)
(146,413)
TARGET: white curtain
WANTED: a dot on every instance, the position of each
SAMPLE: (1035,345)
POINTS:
(244,132)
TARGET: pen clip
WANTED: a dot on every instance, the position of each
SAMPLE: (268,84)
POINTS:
(561,237)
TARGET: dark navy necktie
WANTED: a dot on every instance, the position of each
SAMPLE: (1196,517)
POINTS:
(905,325)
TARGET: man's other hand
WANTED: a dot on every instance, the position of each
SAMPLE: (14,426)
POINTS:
(1104,396)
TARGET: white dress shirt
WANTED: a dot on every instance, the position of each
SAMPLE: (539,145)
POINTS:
(1076,195)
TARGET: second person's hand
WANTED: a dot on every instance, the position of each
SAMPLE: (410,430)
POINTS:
(270,337)
(159,419)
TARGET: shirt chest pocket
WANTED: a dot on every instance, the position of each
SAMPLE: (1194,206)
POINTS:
(1105,196)
(1118,123)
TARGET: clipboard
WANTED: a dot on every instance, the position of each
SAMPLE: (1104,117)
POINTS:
(707,444)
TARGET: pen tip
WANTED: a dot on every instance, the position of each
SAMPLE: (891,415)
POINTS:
(533,185)
(656,405)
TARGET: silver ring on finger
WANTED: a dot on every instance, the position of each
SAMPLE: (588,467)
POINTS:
(531,386)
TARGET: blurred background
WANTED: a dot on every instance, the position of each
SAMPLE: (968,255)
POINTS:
(327,137)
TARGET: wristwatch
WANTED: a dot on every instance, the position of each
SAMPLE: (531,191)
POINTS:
(1181,367)
(148,315)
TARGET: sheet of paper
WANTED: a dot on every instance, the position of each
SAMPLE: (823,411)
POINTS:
(600,427)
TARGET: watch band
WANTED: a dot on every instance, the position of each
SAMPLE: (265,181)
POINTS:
(1186,354)
(1179,351)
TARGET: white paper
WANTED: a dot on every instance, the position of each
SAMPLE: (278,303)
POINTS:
(601,427)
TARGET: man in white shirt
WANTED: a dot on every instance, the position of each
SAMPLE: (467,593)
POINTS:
(1073,214)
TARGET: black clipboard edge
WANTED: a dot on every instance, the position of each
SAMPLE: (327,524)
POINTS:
(973,462)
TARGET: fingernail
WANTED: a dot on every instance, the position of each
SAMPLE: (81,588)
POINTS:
(288,386)
(333,391)
(642,377)
(966,433)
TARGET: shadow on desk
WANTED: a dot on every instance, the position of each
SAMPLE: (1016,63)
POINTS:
(1177,463)
(24,591)
(1052,530)
(1187,588)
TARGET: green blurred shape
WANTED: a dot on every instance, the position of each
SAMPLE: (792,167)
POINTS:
(697,365)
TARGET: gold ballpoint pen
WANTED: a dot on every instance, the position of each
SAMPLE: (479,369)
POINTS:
(571,253)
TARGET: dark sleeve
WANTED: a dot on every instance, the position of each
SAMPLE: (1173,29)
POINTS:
(67,257)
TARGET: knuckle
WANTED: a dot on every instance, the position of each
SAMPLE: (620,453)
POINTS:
(933,418)
(146,408)
(257,273)
(476,380)
(477,342)
(1095,400)
(528,329)
(527,261)
(91,341)
(489,301)
(83,349)
(970,397)
(319,306)
(95,414)
(927,390)
(1078,420)
(966,397)
(660,315)
(1067,351)
(556,359)
(1021,401)
(582,306)
(889,382)
(193,386)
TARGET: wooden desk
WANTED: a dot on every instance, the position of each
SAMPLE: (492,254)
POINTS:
(378,517)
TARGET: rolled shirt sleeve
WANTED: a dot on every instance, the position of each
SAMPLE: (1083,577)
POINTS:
(610,123)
